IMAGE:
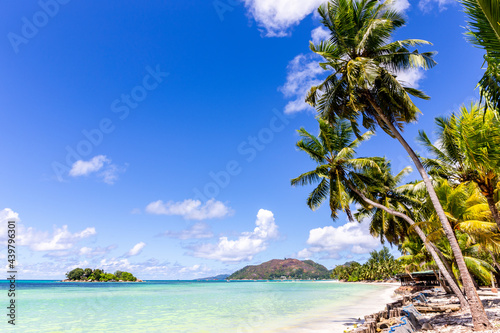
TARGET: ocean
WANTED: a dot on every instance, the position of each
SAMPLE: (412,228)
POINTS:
(179,306)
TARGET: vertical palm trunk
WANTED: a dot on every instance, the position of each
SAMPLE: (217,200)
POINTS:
(479,318)
(493,209)
(463,302)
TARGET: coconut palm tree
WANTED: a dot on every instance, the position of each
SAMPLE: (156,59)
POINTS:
(362,85)
(381,185)
(380,191)
(484,32)
(468,151)
(333,151)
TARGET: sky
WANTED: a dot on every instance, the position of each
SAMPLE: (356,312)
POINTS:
(159,138)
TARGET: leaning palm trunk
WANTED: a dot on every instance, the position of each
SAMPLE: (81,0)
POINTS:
(479,318)
(463,302)
(493,209)
(442,283)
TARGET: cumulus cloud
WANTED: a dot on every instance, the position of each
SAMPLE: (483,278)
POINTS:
(190,209)
(245,246)
(85,168)
(352,237)
(320,34)
(137,249)
(303,72)
(108,172)
(277,16)
(196,231)
(60,239)
(410,77)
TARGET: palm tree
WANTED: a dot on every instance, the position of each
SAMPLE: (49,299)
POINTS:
(333,150)
(381,185)
(363,84)
(468,151)
(484,31)
(379,190)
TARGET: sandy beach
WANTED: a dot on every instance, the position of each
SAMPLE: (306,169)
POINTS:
(339,319)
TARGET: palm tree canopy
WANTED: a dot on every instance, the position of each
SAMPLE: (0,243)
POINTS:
(467,148)
(364,64)
(380,185)
(333,151)
(484,31)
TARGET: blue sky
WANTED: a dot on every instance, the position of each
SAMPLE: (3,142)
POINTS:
(159,138)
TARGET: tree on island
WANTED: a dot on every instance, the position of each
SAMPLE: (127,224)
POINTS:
(88,274)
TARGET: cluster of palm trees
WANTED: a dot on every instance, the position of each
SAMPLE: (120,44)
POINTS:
(380,266)
(449,220)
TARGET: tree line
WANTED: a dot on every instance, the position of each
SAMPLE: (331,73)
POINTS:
(88,274)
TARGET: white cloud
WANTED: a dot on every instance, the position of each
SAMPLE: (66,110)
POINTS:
(196,231)
(95,252)
(61,238)
(320,34)
(352,237)
(277,16)
(410,77)
(190,209)
(428,5)
(303,73)
(401,5)
(85,168)
(6,215)
(246,246)
(136,249)
(109,172)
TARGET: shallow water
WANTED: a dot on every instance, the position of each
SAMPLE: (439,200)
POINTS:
(176,306)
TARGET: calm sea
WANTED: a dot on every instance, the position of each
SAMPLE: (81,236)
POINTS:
(174,306)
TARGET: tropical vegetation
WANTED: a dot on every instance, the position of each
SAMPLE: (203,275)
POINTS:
(380,266)
(448,221)
(98,275)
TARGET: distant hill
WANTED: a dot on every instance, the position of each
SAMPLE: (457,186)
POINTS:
(276,269)
(213,278)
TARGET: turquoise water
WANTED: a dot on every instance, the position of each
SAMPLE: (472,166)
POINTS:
(173,306)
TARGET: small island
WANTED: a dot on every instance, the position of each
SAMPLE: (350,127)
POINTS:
(98,275)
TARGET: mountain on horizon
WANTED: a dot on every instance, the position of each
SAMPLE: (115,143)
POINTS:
(282,269)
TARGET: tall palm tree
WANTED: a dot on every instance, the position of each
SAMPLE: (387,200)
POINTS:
(468,151)
(484,32)
(363,84)
(333,150)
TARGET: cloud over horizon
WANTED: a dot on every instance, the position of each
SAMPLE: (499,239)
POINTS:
(190,209)
(245,247)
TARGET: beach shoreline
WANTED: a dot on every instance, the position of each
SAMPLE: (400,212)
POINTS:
(343,318)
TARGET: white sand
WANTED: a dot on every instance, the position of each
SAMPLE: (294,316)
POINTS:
(338,320)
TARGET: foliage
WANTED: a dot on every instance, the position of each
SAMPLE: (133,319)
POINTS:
(333,151)
(98,275)
(380,266)
(484,32)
